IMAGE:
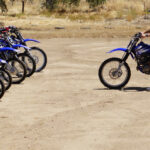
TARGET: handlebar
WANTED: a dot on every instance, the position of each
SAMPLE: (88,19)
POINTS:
(12,29)
(134,40)
(138,35)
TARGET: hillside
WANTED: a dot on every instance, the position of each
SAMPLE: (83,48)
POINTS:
(116,18)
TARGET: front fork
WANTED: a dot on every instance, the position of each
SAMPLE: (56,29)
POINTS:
(124,58)
(36,59)
(26,50)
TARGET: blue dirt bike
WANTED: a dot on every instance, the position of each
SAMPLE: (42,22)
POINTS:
(5,78)
(6,41)
(14,65)
(37,53)
(115,73)
(5,75)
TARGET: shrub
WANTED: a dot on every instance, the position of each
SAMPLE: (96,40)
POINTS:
(71,2)
(94,3)
(50,4)
(3,6)
(53,4)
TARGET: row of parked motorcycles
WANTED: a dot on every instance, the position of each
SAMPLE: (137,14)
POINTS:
(17,60)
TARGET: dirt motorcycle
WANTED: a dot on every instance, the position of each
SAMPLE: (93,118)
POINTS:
(5,76)
(114,73)
(14,65)
(6,41)
(37,53)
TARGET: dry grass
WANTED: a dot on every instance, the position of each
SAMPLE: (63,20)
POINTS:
(125,9)
(30,8)
(112,9)
(114,19)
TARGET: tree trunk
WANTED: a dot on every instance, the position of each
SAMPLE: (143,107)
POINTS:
(23,4)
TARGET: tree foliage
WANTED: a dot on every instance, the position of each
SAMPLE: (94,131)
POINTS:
(71,2)
(52,4)
(94,3)
(3,6)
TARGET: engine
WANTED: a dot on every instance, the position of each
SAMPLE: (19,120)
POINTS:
(144,63)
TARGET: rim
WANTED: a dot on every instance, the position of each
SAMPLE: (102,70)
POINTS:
(5,78)
(28,63)
(2,89)
(38,58)
(113,75)
(16,70)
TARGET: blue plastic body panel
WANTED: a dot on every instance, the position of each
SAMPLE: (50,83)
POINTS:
(142,48)
(118,49)
(8,49)
(31,40)
(20,45)
(3,61)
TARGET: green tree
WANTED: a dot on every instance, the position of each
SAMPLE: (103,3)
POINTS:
(3,6)
(50,4)
(94,3)
(71,2)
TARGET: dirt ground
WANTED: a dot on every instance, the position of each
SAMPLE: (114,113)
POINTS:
(65,107)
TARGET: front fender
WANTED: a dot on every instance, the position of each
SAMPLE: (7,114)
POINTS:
(27,40)
(118,49)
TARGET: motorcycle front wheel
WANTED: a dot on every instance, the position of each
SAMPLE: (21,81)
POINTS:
(114,74)
(29,63)
(17,70)
(39,57)
(6,78)
(2,89)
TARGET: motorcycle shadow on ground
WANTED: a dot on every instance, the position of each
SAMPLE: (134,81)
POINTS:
(128,89)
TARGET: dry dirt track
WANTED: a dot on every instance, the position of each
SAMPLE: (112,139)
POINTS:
(66,108)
